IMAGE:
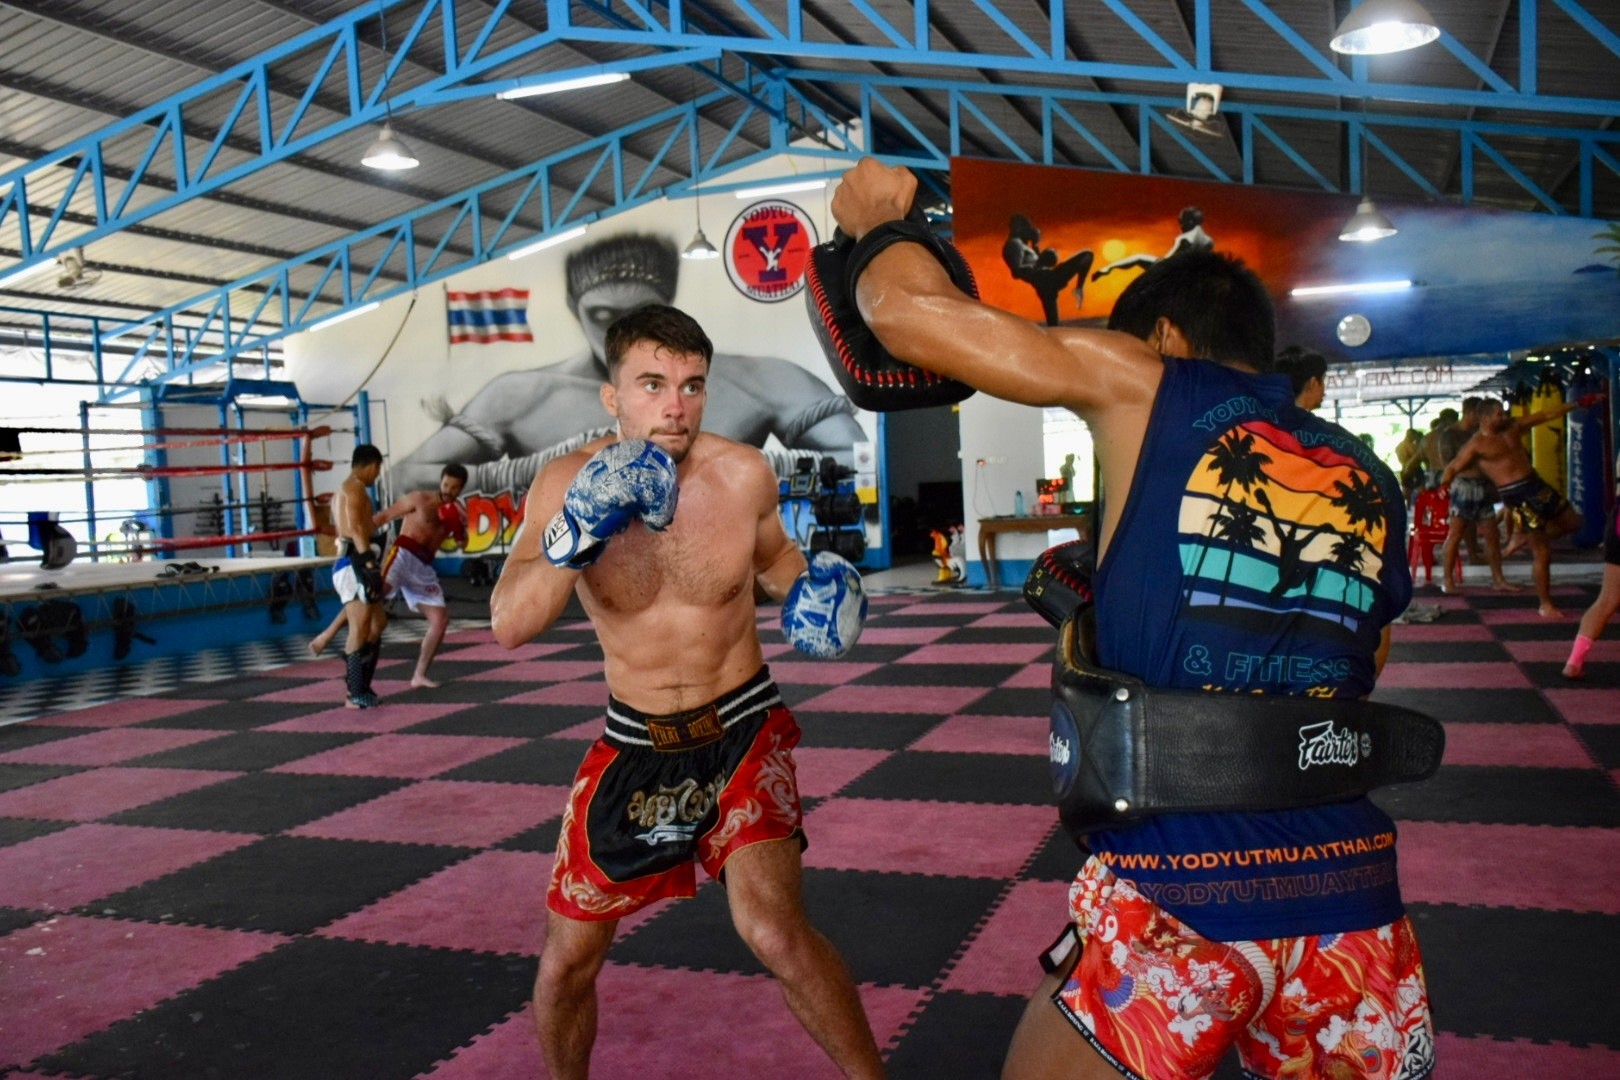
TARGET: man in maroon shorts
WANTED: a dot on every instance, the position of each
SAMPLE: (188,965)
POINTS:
(696,759)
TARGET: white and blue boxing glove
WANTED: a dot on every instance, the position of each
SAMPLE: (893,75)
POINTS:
(629,479)
(826,608)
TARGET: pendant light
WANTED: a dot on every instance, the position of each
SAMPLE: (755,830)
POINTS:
(1377,27)
(388,153)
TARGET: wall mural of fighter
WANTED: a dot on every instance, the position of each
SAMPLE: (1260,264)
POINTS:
(520,420)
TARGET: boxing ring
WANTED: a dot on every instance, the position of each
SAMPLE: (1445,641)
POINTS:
(222,538)
(132,611)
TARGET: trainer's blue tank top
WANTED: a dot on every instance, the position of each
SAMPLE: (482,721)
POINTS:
(1260,551)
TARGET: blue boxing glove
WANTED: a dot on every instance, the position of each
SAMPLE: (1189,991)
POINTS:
(626,480)
(826,608)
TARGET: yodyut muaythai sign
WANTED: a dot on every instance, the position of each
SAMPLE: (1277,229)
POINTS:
(1383,382)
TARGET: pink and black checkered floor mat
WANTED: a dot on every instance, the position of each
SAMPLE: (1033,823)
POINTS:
(243,879)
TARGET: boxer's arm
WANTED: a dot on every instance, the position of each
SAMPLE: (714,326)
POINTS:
(778,562)
(532,592)
(397,510)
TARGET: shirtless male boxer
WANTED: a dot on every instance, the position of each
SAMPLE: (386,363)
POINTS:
(1247,546)
(695,761)
(1498,452)
(1473,504)
(427,519)
(357,576)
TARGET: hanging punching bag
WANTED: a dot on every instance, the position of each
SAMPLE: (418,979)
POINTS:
(1547,440)
(1589,485)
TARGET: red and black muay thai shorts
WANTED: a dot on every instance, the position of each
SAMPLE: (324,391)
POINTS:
(655,793)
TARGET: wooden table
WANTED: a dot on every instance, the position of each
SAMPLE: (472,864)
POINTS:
(991,527)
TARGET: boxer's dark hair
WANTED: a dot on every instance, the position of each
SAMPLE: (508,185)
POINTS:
(1301,365)
(455,471)
(660,324)
(1217,302)
(365,454)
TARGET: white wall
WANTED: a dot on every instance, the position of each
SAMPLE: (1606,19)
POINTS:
(1009,439)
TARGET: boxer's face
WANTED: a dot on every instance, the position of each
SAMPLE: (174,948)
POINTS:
(599,306)
(449,489)
(659,394)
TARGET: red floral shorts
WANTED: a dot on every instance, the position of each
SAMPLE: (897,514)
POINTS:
(1162,1002)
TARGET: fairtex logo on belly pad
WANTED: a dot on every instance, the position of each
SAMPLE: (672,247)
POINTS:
(1320,744)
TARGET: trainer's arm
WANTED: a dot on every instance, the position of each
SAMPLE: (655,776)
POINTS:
(907,299)
(531,591)
(1381,654)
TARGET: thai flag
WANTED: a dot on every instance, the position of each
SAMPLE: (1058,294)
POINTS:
(483,317)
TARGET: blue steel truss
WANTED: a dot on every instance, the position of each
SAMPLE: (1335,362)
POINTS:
(456,51)
(232,312)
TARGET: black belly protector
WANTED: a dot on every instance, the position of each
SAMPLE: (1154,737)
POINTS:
(1121,750)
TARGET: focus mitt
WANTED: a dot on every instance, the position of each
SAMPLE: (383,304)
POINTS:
(825,609)
(1059,583)
(869,374)
(368,575)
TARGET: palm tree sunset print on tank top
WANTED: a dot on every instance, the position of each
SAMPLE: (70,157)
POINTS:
(1270,525)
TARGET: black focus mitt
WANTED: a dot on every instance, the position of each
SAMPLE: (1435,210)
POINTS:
(1059,583)
(368,574)
(869,374)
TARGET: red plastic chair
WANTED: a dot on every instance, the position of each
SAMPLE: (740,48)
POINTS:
(1427,532)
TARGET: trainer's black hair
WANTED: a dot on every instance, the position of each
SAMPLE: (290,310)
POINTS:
(455,470)
(660,324)
(365,454)
(1301,365)
(1217,302)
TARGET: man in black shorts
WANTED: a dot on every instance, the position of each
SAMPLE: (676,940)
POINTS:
(1498,452)
(1473,504)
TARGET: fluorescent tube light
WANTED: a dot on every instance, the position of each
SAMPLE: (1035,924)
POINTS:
(604,79)
(550,241)
(1351,287)
(780,189)
(335,319)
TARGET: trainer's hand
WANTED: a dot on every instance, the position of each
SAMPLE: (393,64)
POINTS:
(368,574)
(872,193)
(825,609)
(626,480)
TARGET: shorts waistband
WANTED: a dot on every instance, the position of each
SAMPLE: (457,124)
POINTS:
(1524,484)
(630,727)
(414,546)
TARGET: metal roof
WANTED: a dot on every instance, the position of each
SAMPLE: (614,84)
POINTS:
(206,156)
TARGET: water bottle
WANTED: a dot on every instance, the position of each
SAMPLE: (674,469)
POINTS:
(1018,504)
